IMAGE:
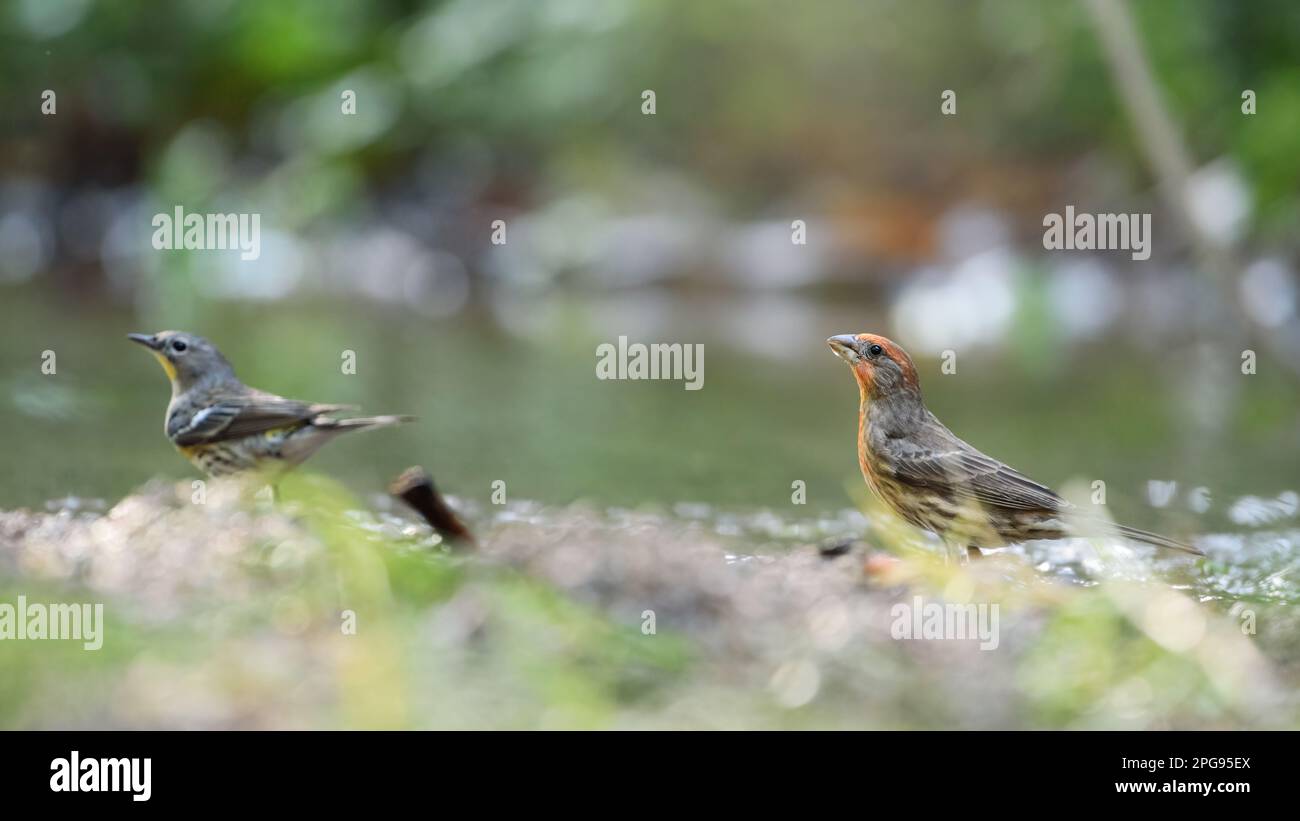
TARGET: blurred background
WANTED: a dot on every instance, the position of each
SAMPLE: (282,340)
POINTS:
(675,226)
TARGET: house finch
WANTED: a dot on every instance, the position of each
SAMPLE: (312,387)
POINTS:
(223,426)
(938,482)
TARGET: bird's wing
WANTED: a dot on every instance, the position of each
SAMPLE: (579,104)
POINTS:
(231,417)
(972,475)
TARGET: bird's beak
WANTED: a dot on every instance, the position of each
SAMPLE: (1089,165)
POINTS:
(845,347)
(148,340)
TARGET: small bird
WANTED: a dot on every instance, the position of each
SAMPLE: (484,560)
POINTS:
(936,481)
(225,427)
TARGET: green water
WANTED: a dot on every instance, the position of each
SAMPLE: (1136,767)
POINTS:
(528,410)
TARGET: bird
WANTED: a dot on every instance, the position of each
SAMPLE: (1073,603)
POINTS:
(937,482)
(223,427)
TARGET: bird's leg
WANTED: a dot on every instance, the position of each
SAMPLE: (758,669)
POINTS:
(954,553)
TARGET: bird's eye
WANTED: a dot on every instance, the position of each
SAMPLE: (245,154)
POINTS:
(178,346)
(875,350)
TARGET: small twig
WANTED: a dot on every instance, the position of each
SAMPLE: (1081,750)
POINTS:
(415,487)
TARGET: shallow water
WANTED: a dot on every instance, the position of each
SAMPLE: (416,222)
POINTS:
(505,399)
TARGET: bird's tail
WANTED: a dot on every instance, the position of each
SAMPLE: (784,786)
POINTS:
(363,422)
(1156,539)
(308,439)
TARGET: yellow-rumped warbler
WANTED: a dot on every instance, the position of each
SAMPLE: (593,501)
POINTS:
(223,426)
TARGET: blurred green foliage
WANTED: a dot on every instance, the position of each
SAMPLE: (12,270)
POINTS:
(756,98)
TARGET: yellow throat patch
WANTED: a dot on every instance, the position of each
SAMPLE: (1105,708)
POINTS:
(168,367)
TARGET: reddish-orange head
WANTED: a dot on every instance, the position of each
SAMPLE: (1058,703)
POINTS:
(881,367)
